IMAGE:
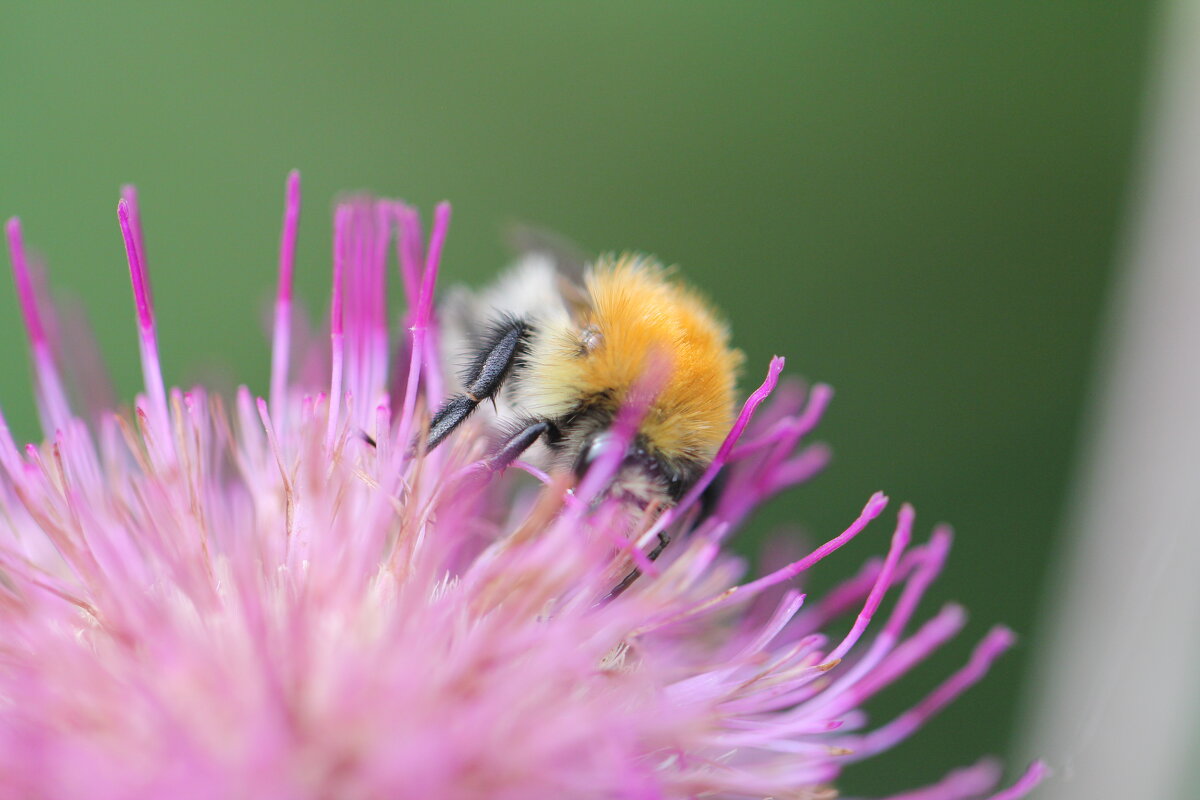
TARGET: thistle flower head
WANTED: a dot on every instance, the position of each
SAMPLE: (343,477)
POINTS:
(279,598)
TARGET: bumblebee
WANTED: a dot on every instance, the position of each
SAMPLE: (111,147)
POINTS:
(558,349)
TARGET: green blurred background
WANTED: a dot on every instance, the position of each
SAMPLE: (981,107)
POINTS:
(916,202)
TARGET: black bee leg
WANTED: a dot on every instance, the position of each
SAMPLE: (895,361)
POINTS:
(663,540)
(448,417)
(517,444)
(500,350)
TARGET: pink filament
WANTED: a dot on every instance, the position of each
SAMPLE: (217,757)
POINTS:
(420,359)
(739,426)
(341,222)
(129,194)
(997,641)
(871,510)
(148,338)
(1034,775)
(900,540)
(961,784)
(52,406)
(930,563)
(281,339)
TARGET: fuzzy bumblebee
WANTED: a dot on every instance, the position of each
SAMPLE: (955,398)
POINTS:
(559,357)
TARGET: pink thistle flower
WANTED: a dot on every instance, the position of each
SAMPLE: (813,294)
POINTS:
(247,598)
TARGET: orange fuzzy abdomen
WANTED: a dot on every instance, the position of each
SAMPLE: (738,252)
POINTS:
(637,317)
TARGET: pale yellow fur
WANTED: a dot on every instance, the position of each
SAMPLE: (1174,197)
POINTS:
(633,309)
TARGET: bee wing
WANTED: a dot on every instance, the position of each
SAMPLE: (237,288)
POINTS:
(462,318)
(569,260)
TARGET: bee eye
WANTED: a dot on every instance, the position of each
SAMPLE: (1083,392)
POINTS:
(676,488)
(592,447)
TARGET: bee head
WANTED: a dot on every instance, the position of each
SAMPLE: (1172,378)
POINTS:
(643,476)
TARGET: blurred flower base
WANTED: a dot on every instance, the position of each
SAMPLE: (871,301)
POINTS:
(278,597)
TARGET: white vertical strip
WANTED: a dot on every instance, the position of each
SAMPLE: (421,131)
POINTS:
(1116,705)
